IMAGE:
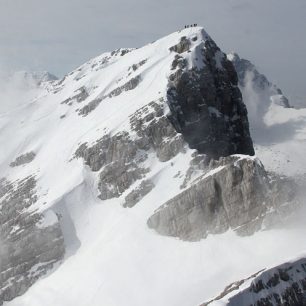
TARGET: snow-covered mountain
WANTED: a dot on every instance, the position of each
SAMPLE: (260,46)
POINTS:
(281,285)
(133,179)
(21,86)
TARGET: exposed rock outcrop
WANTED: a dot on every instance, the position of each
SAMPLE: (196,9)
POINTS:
(237,193)
(81,96)
(117,177)
(30,242)
(282,285)
(155,131)
(119,158)
(182,46)
(129,85)
(206,104)
(23,159)
(135,67)
(138,193)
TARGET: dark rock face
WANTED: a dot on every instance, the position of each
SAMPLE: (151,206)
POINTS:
(282,285)
(238,195)
(206,104)
(29,248)
(182,46)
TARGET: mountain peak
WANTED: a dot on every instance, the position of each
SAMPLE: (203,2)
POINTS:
(142,137)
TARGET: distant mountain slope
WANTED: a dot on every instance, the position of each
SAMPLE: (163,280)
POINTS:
(21,87)
(281,285)
(278,130)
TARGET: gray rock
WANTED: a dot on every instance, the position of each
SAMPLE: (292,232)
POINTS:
(107,150)
(179,62)
(117,177)
(81,96)
(130,85)
(23,159)
(182,46)
(28,250)
(138,65)
(156,131)
(118,157)
(92,105)
(138,193)
(239,196)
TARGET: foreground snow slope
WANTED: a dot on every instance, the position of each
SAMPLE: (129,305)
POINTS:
(111,256)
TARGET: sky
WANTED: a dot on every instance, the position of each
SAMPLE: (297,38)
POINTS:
(60,35)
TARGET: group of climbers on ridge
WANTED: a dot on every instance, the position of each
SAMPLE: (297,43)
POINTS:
(191,26)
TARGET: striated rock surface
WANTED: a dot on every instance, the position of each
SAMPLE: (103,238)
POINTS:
(120,158)
(237,193)
(282,285)
(31,242)
(205,101)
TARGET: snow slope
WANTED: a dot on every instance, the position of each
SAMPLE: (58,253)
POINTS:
(112,257)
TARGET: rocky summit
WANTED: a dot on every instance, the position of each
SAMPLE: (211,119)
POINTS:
(205,101)
(133,179)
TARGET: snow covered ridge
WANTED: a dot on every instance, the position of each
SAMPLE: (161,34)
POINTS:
(132,146)
(281,285)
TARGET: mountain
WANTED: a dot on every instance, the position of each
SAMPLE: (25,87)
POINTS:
(21,86)
(282,285)
(277,129)
(133,180)
(248,73)
(36,77)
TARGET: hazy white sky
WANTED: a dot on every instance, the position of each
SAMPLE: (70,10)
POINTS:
(59,35)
